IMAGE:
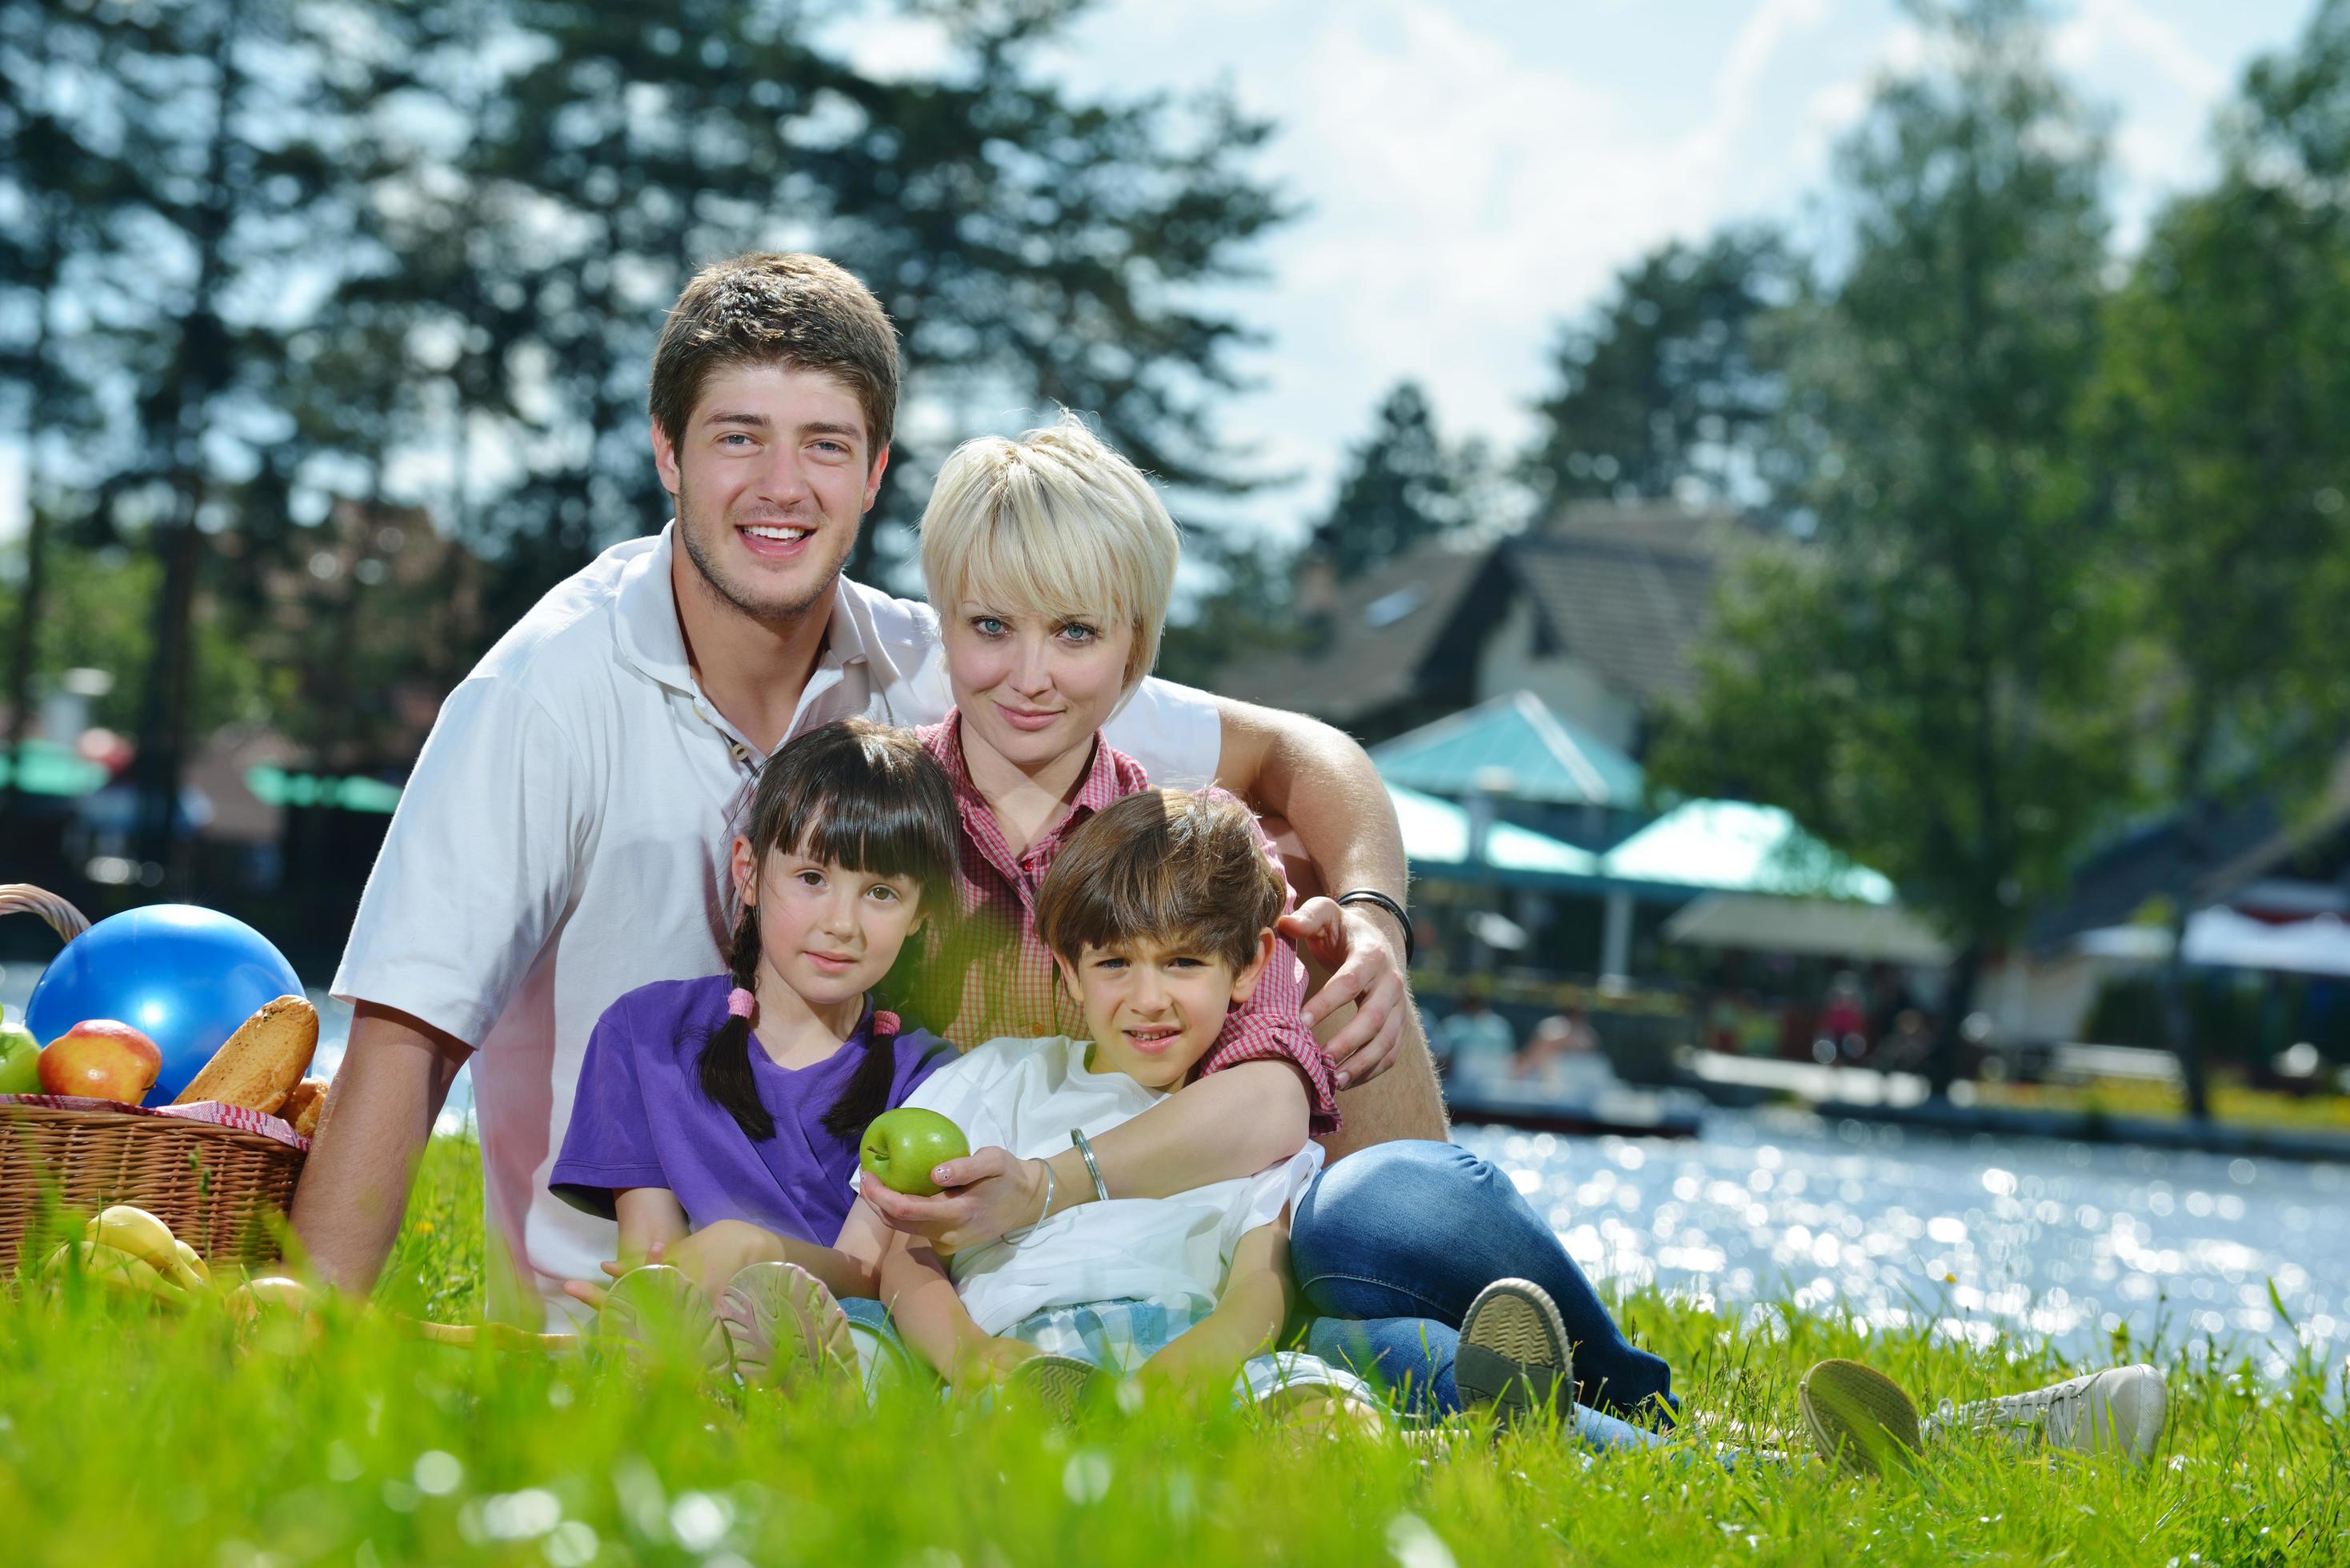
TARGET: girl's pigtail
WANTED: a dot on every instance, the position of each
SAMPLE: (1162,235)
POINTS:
(726,1075)
(867,1095)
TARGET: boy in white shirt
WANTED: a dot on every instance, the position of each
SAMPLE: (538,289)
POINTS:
(1159,914)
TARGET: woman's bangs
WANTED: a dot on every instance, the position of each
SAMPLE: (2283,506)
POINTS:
(1029,564)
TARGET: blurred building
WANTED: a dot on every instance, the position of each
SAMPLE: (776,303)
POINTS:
(1596,614)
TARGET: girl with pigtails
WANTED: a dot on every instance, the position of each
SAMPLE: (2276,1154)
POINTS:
(718,1119)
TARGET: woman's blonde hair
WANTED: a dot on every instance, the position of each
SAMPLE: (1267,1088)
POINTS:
(1055,522)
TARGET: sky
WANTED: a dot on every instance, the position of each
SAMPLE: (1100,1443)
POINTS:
(1472,173)
(1475,171)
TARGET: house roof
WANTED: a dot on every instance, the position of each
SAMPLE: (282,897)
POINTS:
(1512,745)
(1628,590)
(1436,837)
(1740,847)
(1379,641)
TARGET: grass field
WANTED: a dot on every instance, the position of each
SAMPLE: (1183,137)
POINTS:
(130,1436)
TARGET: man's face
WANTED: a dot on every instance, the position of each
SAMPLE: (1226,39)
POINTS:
(771,477)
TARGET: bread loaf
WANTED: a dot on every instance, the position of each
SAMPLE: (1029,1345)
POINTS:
(302,1106)
(262,1061)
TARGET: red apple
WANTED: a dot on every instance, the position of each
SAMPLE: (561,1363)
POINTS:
(103,1058)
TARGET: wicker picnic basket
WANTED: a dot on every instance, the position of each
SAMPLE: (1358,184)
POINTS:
(221,1189)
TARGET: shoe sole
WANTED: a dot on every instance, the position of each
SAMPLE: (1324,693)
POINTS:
(657,1311)
(1056,1384)
(1860,1420)
(783,1325)
(1513,1356)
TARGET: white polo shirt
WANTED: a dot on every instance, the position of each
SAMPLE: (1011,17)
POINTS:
(564,839)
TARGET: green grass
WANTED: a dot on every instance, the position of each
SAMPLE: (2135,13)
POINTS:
(128,1436)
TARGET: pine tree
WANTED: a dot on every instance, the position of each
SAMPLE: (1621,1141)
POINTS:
(1401,488)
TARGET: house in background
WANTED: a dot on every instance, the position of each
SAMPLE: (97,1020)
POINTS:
(1596,613)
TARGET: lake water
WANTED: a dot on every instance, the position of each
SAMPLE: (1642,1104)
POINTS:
(1975,1236)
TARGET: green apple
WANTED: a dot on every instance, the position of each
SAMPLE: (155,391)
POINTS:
(20,1061)
(901,1147)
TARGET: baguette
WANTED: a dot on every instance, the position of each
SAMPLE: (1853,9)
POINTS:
(302,1106)
(262,1061)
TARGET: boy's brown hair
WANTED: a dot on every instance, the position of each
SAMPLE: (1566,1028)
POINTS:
(1163,866)
(776,307)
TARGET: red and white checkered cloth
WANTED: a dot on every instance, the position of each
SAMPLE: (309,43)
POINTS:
(1008,986)
(241,1117)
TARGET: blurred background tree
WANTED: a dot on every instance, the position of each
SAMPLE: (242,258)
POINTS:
(1927,685)
(418,255)
(2222,403)
(1401,488)
(1666,387)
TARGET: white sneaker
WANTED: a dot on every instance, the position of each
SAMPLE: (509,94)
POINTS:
(2118,1411)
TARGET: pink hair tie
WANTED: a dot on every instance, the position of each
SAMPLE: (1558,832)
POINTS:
(740,1003)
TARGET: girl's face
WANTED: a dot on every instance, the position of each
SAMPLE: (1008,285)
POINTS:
(825,931)
(1032,688)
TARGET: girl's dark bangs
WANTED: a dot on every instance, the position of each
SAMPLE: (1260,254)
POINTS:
(882,832)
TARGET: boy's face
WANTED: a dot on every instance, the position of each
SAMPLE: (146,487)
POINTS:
(771,477)
(1153,1010)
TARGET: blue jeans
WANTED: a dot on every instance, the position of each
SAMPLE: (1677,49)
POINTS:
(882,1357)
(1412,1359)
(1412,1230)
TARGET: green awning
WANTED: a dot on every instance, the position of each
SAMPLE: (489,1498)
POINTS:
(1739,847)
(1435,836)
(1512,746)
(351,791)
(52,769)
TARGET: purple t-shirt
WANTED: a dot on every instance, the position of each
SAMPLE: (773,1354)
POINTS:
(640,1119)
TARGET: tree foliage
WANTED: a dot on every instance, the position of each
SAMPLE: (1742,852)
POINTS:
(2224,394)
(1929,685)
(1402,487)
(1667,387)
(417,254)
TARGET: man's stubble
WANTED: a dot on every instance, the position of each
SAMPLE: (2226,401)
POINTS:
(699,550)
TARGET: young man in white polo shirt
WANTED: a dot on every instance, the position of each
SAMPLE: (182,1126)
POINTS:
(564,837)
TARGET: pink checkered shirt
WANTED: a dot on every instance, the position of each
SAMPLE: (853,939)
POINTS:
(1007,984)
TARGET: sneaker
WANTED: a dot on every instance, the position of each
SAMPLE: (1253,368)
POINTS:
(1058,1385)
(1513,1358)
(783,1325)
(1859,1418)
(656,1310)
(2118,1411)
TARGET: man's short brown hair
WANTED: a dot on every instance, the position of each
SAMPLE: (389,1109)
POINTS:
(1165,867)
(776,307)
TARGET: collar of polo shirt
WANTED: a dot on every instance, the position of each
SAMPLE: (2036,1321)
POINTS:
(645,615)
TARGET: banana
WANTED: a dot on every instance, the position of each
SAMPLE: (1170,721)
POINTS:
(117,1269)
(145,1237)
(195,1263)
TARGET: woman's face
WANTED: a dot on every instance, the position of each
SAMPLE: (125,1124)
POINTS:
(1032,688)
(829,933)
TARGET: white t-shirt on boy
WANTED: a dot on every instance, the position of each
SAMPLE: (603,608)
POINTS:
(564,839)
(1026,1096)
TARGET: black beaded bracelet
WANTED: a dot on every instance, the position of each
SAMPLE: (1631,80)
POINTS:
(1373,896)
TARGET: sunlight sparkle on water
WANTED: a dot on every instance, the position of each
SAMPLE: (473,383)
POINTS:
(1973,1236)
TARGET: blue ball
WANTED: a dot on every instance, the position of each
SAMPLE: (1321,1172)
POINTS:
(183,975)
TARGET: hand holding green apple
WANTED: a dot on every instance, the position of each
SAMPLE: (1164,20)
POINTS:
(902,1146)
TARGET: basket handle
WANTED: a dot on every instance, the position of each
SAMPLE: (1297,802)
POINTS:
(24,898)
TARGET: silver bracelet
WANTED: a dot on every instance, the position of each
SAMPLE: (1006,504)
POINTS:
(1085,1148)
(1008,1239)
